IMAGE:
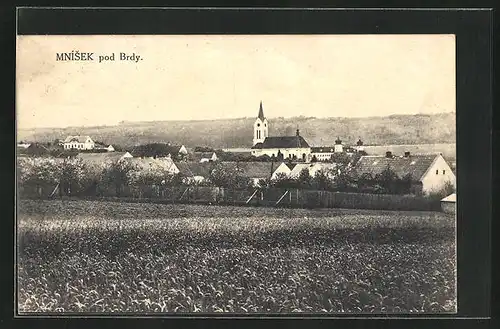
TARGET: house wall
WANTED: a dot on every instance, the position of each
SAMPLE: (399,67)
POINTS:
(339,148)
(183,150)
(322,155)
(448,207)
(285,151)
(79,146)
(436,177)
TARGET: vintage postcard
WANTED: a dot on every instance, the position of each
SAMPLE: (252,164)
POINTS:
(236,174)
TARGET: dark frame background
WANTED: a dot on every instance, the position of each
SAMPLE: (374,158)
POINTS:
(473,30)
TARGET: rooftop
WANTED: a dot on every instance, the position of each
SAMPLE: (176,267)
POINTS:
(191,169)
(415,165)
(450,198)
(79,139)
(282,142)
(252,169)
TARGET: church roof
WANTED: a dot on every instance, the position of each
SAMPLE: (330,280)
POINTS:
(283,142)
(261,112)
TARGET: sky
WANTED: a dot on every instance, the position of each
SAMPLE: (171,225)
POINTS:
(201,77)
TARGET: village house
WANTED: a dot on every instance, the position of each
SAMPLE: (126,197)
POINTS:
(34,149)
(429,172)
(153,165)
(254,171)
(322,153)
(205,157)
(312,168)
(449,204)
(159,150)
(78,143)
(96,162)
(22,145)
(193,172)
(177,150)
(104,158)
(103,147)
(283,170)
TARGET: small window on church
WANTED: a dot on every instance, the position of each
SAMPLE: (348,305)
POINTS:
(265,125)
(437,171)
(258,125)
(444,171)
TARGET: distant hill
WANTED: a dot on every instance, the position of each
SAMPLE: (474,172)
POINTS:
(233,133)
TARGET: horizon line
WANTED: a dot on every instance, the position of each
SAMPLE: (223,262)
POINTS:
(122,122)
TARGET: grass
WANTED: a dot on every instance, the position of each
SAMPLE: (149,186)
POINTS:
(87,256)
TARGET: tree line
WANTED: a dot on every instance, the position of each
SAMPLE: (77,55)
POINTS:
(75,177)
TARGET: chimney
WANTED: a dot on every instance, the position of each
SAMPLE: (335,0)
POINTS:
(407,154)
(297,132)
(388,154)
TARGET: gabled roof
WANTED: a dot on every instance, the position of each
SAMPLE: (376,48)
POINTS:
(23,145)
(102,157)
(252,169)
(204,155)
(299,167)
(37,146)
(151,163)
(174,149)
(283,142)
(312,168)
(191,169)
(415,165)
(323,166)
(79,139)
(163,150)
(450,198)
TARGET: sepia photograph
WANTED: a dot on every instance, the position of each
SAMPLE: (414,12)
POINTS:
(236,174)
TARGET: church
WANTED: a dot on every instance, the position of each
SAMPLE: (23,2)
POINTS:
(287,147)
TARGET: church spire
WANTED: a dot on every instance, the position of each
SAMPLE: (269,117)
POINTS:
(261,112)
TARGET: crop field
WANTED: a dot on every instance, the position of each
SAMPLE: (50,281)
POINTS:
(92,256)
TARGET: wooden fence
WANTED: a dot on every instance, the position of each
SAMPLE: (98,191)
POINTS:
(277,197)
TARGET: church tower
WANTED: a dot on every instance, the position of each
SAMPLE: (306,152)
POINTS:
(260,127)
